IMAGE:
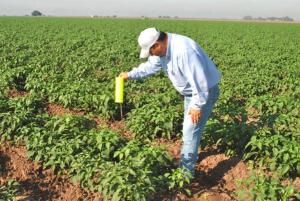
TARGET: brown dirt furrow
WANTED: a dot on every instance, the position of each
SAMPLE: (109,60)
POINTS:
(15,93)
(35,182)
(215,177)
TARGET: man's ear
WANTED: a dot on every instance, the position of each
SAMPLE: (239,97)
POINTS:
(161,45)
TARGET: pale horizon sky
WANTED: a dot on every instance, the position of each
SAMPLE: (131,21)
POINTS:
(230,9)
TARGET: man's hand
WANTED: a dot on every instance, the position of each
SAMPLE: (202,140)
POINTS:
(124,75)
(195,115)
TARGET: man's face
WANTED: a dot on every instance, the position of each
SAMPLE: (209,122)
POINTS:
(157,49)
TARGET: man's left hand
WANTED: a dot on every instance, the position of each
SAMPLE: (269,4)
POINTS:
(195,115)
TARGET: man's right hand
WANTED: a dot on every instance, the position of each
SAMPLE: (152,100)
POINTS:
(124,75)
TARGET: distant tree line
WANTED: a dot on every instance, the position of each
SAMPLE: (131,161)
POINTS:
(36,13)
(143,16)
(286,18)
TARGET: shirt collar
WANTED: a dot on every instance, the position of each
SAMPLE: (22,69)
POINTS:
(168,54)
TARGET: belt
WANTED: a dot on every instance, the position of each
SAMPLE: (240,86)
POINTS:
(209,90)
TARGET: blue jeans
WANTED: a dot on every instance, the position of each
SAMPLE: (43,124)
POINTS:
(192,132)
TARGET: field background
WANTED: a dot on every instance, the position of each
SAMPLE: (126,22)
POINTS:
(57,109)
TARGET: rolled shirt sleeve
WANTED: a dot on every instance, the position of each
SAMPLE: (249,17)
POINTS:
(195,67)
(146,69)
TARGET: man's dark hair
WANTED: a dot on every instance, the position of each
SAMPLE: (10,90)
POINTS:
(162,36)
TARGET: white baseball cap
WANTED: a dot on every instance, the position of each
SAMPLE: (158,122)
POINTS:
(146,39)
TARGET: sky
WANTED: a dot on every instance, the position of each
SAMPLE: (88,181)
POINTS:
(229,9)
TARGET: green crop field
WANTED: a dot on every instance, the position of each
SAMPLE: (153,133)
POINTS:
(73,62)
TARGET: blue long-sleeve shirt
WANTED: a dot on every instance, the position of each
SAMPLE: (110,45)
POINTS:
(189,68)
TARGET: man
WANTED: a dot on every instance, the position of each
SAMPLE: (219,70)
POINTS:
(192,73)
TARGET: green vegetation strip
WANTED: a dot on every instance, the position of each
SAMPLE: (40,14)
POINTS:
(73,62)
(98,158)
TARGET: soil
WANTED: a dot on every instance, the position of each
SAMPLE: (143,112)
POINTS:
(215,179)
(16,93)
(216,174)
(37,183)
(55,109)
